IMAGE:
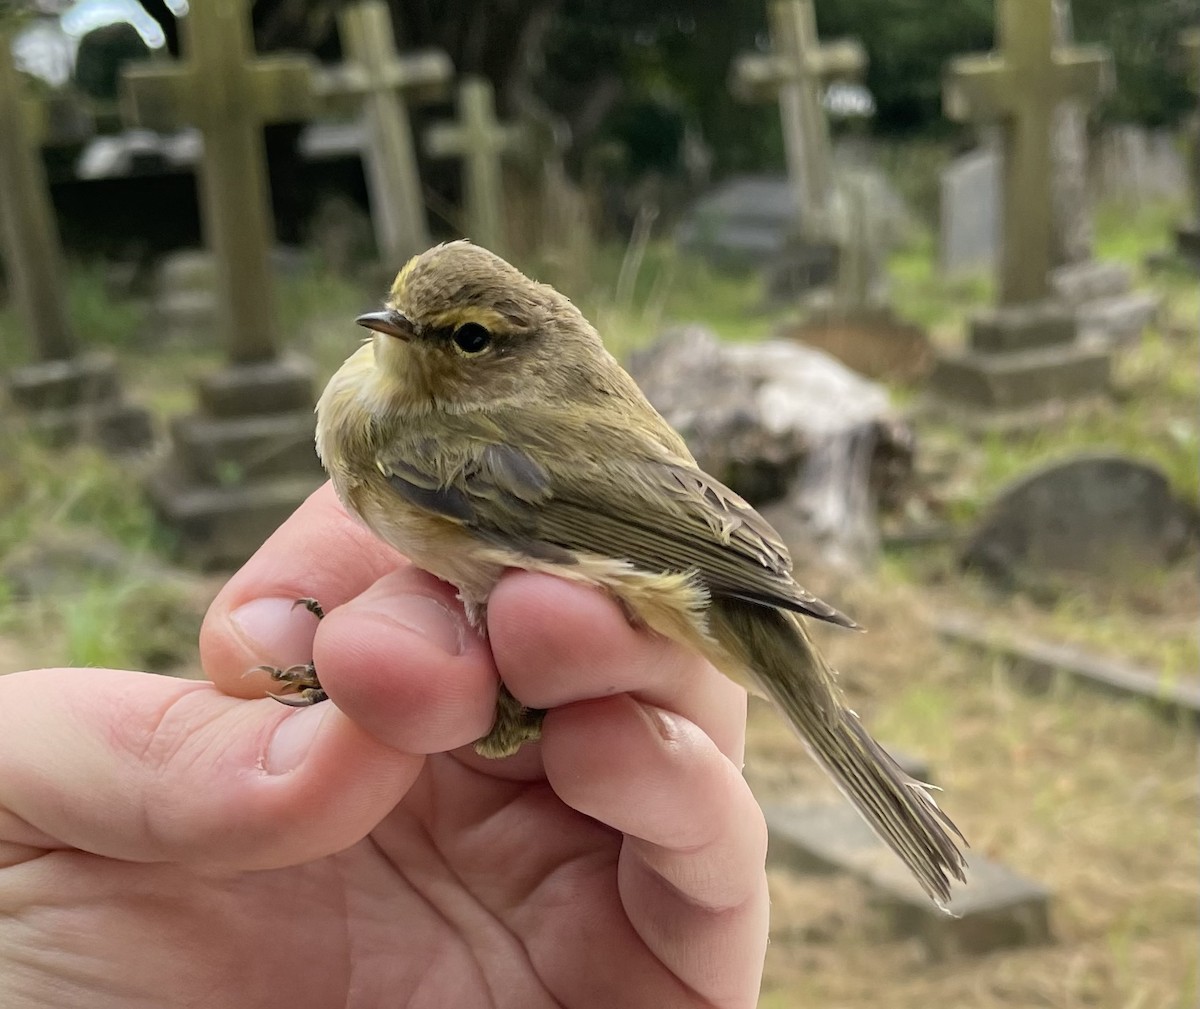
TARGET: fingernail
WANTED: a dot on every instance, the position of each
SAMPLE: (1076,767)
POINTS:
(276,630)
(293,739)
(432,619)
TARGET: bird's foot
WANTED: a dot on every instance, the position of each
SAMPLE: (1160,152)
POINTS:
(515,724)
(301,688)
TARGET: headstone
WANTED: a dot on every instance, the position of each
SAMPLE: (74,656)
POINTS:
(184,308)
(481,142)
(185,300)
(1024,359)
(1188,234)
(550,220)
(743,222)
(245,460)
(67,393)
(1139,166)
(1109,310)
(794,73)
(1038,663)
(1107,307)
(969,212)
(1099,516)
(997,908)
(831,217)
(1072,236)
(381,83)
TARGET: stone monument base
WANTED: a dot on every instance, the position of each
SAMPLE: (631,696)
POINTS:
(79,399)
(1023,365)
(1107,306)
(242,464)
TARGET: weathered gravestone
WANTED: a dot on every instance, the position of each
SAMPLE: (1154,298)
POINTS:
(746,221)
(67,393)
(794,74)
(1109,311)
(1038,664)
(1102,295)
(831,217)
(1139,166)
(969,212)
(997,908)
(550,219)
(1099,516)
(246,460)
(377,81)
(1024,359)
(1188,234)
(481,142)
(185,308)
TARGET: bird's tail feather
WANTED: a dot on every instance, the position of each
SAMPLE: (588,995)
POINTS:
(786,665)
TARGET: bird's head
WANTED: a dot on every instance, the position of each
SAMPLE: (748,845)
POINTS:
(462,329)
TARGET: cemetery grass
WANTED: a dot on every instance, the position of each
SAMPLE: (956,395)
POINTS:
(1090,795)
(1149,619)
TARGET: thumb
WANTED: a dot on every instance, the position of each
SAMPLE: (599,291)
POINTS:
(144,768)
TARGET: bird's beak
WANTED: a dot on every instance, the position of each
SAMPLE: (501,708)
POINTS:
(391,322)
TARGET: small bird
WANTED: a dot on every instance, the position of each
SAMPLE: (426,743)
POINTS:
(483,426)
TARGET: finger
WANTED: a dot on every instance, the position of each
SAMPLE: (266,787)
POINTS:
(691,872)
(319,552)
(556,642)
(401,660)
(146,768)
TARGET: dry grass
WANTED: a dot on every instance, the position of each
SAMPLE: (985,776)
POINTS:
(1092,796)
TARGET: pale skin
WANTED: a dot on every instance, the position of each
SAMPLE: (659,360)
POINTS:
(175,843)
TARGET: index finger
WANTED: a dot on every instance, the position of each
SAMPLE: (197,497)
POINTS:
(322,552)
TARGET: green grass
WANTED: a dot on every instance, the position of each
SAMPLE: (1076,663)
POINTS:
(635,292)
(77,488)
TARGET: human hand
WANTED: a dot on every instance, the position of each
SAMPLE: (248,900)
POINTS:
(175,843)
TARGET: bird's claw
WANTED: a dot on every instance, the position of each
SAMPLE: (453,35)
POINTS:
(311,605)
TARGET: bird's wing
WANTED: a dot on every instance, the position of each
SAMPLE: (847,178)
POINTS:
(612,492)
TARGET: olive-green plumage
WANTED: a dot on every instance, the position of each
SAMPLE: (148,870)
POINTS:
(484,426)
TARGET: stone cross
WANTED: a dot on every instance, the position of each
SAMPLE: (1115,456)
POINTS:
(229,94)
(28,233)
(67,393)
(1190,43)
(380,81)
(1020,85)
(1073,235)
(795,72)
(481,141)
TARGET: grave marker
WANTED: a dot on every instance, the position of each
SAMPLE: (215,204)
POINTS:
(1099,516)
(1037,663)
(69,394)
(379,83)
(246,460)
(1102,295)
(1020,86)
(1024,360)
(228,93)
(1188,235)
(996,908)
(969,212)
(795,73)
(481,142)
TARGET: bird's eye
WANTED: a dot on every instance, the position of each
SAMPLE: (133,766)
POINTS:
(472,338)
